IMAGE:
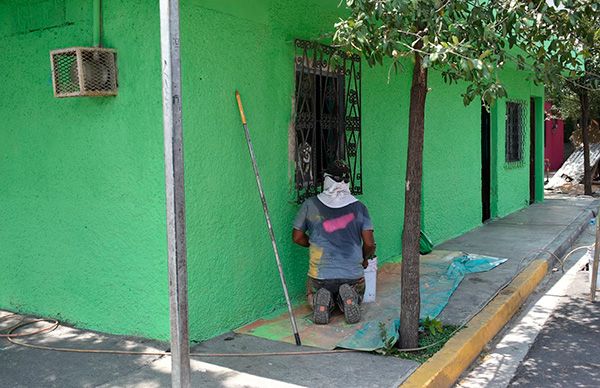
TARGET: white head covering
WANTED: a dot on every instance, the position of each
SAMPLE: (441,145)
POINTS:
(336,194)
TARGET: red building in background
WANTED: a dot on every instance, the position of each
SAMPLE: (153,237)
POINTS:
(554,141)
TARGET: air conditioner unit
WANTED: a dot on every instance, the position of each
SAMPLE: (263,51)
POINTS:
(84,71)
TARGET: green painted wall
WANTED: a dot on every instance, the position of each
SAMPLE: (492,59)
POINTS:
(233,278)
(452,162)
(85,199)
(82,192)
(511,189)
(232,273)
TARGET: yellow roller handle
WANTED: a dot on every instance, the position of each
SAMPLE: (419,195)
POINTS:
(240,107)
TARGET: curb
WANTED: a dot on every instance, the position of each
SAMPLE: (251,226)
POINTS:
(568,235)
(446,366)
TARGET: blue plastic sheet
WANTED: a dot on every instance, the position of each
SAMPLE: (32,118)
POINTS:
(438,282)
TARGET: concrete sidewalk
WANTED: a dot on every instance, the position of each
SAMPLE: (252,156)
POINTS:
(553,225)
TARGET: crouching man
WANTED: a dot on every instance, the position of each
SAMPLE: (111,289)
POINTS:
(337,229)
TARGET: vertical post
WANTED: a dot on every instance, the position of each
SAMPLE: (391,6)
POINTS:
(494,160)
(532,150)
(96,14)
(173,138)
(594,268)
(539,151)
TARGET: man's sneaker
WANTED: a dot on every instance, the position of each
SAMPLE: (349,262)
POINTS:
(350,300)
(321,306)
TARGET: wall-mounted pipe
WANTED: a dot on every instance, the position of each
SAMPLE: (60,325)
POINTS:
(98,23)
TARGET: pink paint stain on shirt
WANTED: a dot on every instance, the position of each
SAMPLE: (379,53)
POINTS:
(339,223)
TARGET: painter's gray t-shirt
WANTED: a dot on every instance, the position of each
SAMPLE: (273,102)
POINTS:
(335,238)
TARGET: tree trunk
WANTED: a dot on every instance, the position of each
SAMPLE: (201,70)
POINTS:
(411,301)
(584,101)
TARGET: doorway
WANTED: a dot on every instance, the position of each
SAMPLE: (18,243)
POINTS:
(532,120)
(485,164)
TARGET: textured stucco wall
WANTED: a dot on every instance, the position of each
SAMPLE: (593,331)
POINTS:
(82,235)
(84,210)
(510,188)
(233,278)
(232,272)
(452,162)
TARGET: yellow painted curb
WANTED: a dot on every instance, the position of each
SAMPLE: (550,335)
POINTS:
(444,368)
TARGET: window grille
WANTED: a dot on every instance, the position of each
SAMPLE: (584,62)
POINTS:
(327,115)
(515,127)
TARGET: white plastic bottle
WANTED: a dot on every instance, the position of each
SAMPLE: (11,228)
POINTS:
(371,281)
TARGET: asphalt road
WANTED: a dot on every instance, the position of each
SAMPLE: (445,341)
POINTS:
(566,352)
(554,341)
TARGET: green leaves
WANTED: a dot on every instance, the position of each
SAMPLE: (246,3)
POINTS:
(472,40)
(485,54)
(432,325)
(465,40)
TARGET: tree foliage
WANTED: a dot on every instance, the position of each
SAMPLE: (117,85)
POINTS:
(465,40)
(564,44)
(571,59)
(565,102)
(567,49)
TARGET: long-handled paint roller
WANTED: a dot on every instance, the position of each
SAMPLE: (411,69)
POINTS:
(267,217)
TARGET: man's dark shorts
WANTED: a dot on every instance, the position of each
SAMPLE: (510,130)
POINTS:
(333,285)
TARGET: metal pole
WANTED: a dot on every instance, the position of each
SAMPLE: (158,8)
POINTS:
(173,139)
(268,219)
(594,268)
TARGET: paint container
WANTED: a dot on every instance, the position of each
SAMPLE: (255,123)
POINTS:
(370,281)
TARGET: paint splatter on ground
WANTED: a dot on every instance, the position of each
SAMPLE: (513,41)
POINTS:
(441,274)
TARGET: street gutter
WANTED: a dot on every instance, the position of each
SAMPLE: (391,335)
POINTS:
(445,367)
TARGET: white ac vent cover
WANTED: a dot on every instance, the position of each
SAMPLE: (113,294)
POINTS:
(84,71)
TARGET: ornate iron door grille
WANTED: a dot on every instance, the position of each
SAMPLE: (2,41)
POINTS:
(515,124)
(327,115)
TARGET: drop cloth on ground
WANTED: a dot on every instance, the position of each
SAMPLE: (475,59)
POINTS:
(441,274)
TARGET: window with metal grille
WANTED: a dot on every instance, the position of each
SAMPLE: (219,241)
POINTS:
(327,110)
(515,118)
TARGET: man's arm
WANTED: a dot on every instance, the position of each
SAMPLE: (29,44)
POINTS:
(300,237)
(368,247)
